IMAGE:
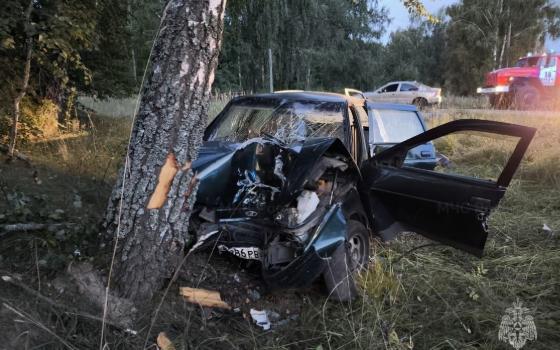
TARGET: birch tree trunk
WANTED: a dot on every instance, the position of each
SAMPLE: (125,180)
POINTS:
(151,203)
(24,82)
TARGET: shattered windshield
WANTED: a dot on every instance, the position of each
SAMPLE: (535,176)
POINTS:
(285,120)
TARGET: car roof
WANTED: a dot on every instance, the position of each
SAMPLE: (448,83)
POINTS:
(541,55)
(402,82)
(321,96)
(318,96)
(395,106)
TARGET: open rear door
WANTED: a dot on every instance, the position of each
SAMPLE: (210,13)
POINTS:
(443,206)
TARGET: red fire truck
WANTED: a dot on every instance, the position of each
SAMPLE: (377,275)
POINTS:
(533,80)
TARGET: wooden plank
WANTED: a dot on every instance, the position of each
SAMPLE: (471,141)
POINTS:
(203,297)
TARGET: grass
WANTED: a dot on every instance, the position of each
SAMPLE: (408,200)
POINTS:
(430,298)
(464,102)
(125,107)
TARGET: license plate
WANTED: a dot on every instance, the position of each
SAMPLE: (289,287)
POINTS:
(252,253)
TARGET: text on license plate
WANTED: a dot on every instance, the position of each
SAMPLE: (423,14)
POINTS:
(243,252)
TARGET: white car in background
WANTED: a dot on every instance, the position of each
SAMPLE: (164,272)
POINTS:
(409,92)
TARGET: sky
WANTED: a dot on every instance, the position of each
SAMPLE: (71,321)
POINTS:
(400,19)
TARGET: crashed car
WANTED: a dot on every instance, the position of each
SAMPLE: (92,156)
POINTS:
(296,182)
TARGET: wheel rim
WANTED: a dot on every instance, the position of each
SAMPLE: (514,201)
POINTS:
(357,251)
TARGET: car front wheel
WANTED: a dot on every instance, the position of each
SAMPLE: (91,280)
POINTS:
(347,262)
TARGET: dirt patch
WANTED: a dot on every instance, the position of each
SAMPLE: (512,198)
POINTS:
(241,286)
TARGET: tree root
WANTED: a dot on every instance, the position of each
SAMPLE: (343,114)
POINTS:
(14,281)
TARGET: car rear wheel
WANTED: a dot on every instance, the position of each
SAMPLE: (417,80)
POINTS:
(347,262)
(420,102)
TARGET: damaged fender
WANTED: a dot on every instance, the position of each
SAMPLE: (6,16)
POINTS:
(329,236)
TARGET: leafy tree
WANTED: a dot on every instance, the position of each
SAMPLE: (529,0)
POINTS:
(316,44)
(416,53)
(484,35)
(74,46)
(40,50)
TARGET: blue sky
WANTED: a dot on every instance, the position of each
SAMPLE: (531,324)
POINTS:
(399,14)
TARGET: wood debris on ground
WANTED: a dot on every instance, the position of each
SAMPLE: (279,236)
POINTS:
(203,297)
(164,343)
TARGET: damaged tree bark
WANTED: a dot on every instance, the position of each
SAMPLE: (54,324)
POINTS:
(157,185)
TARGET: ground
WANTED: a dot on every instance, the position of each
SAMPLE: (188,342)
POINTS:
(429,298)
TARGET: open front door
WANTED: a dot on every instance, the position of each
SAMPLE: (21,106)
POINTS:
(448,204)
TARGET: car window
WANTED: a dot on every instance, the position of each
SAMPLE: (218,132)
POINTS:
(528,62)
(390,88)
(478,155)
(542,61)
(287,121)
(394,126)
(408,87)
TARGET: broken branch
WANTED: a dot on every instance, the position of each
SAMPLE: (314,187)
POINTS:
(31,226)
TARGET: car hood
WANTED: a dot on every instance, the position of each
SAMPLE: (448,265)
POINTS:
(501,76)
(225,169)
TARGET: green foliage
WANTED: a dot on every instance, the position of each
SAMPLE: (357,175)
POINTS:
(333,44)
(77,46)
(416,53)
(38,119)
(417,8)
(472,38)
(327,44)
(100,48)
(484,35)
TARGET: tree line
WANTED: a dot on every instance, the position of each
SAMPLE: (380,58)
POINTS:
(101,47)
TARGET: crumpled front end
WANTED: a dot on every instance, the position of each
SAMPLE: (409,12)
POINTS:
(277,204)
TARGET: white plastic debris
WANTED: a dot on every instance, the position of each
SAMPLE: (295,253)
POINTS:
(546,228)
(77,201)
(261,319)
(307,202)
(278,166)
(6,278)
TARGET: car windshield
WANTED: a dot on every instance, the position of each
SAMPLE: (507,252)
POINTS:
(285,120)
(394,126)
(527,62)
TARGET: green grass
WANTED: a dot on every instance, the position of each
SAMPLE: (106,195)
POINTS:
(430,298)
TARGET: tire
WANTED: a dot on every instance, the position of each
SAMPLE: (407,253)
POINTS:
(346,262)
(420,103)
(527,97)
